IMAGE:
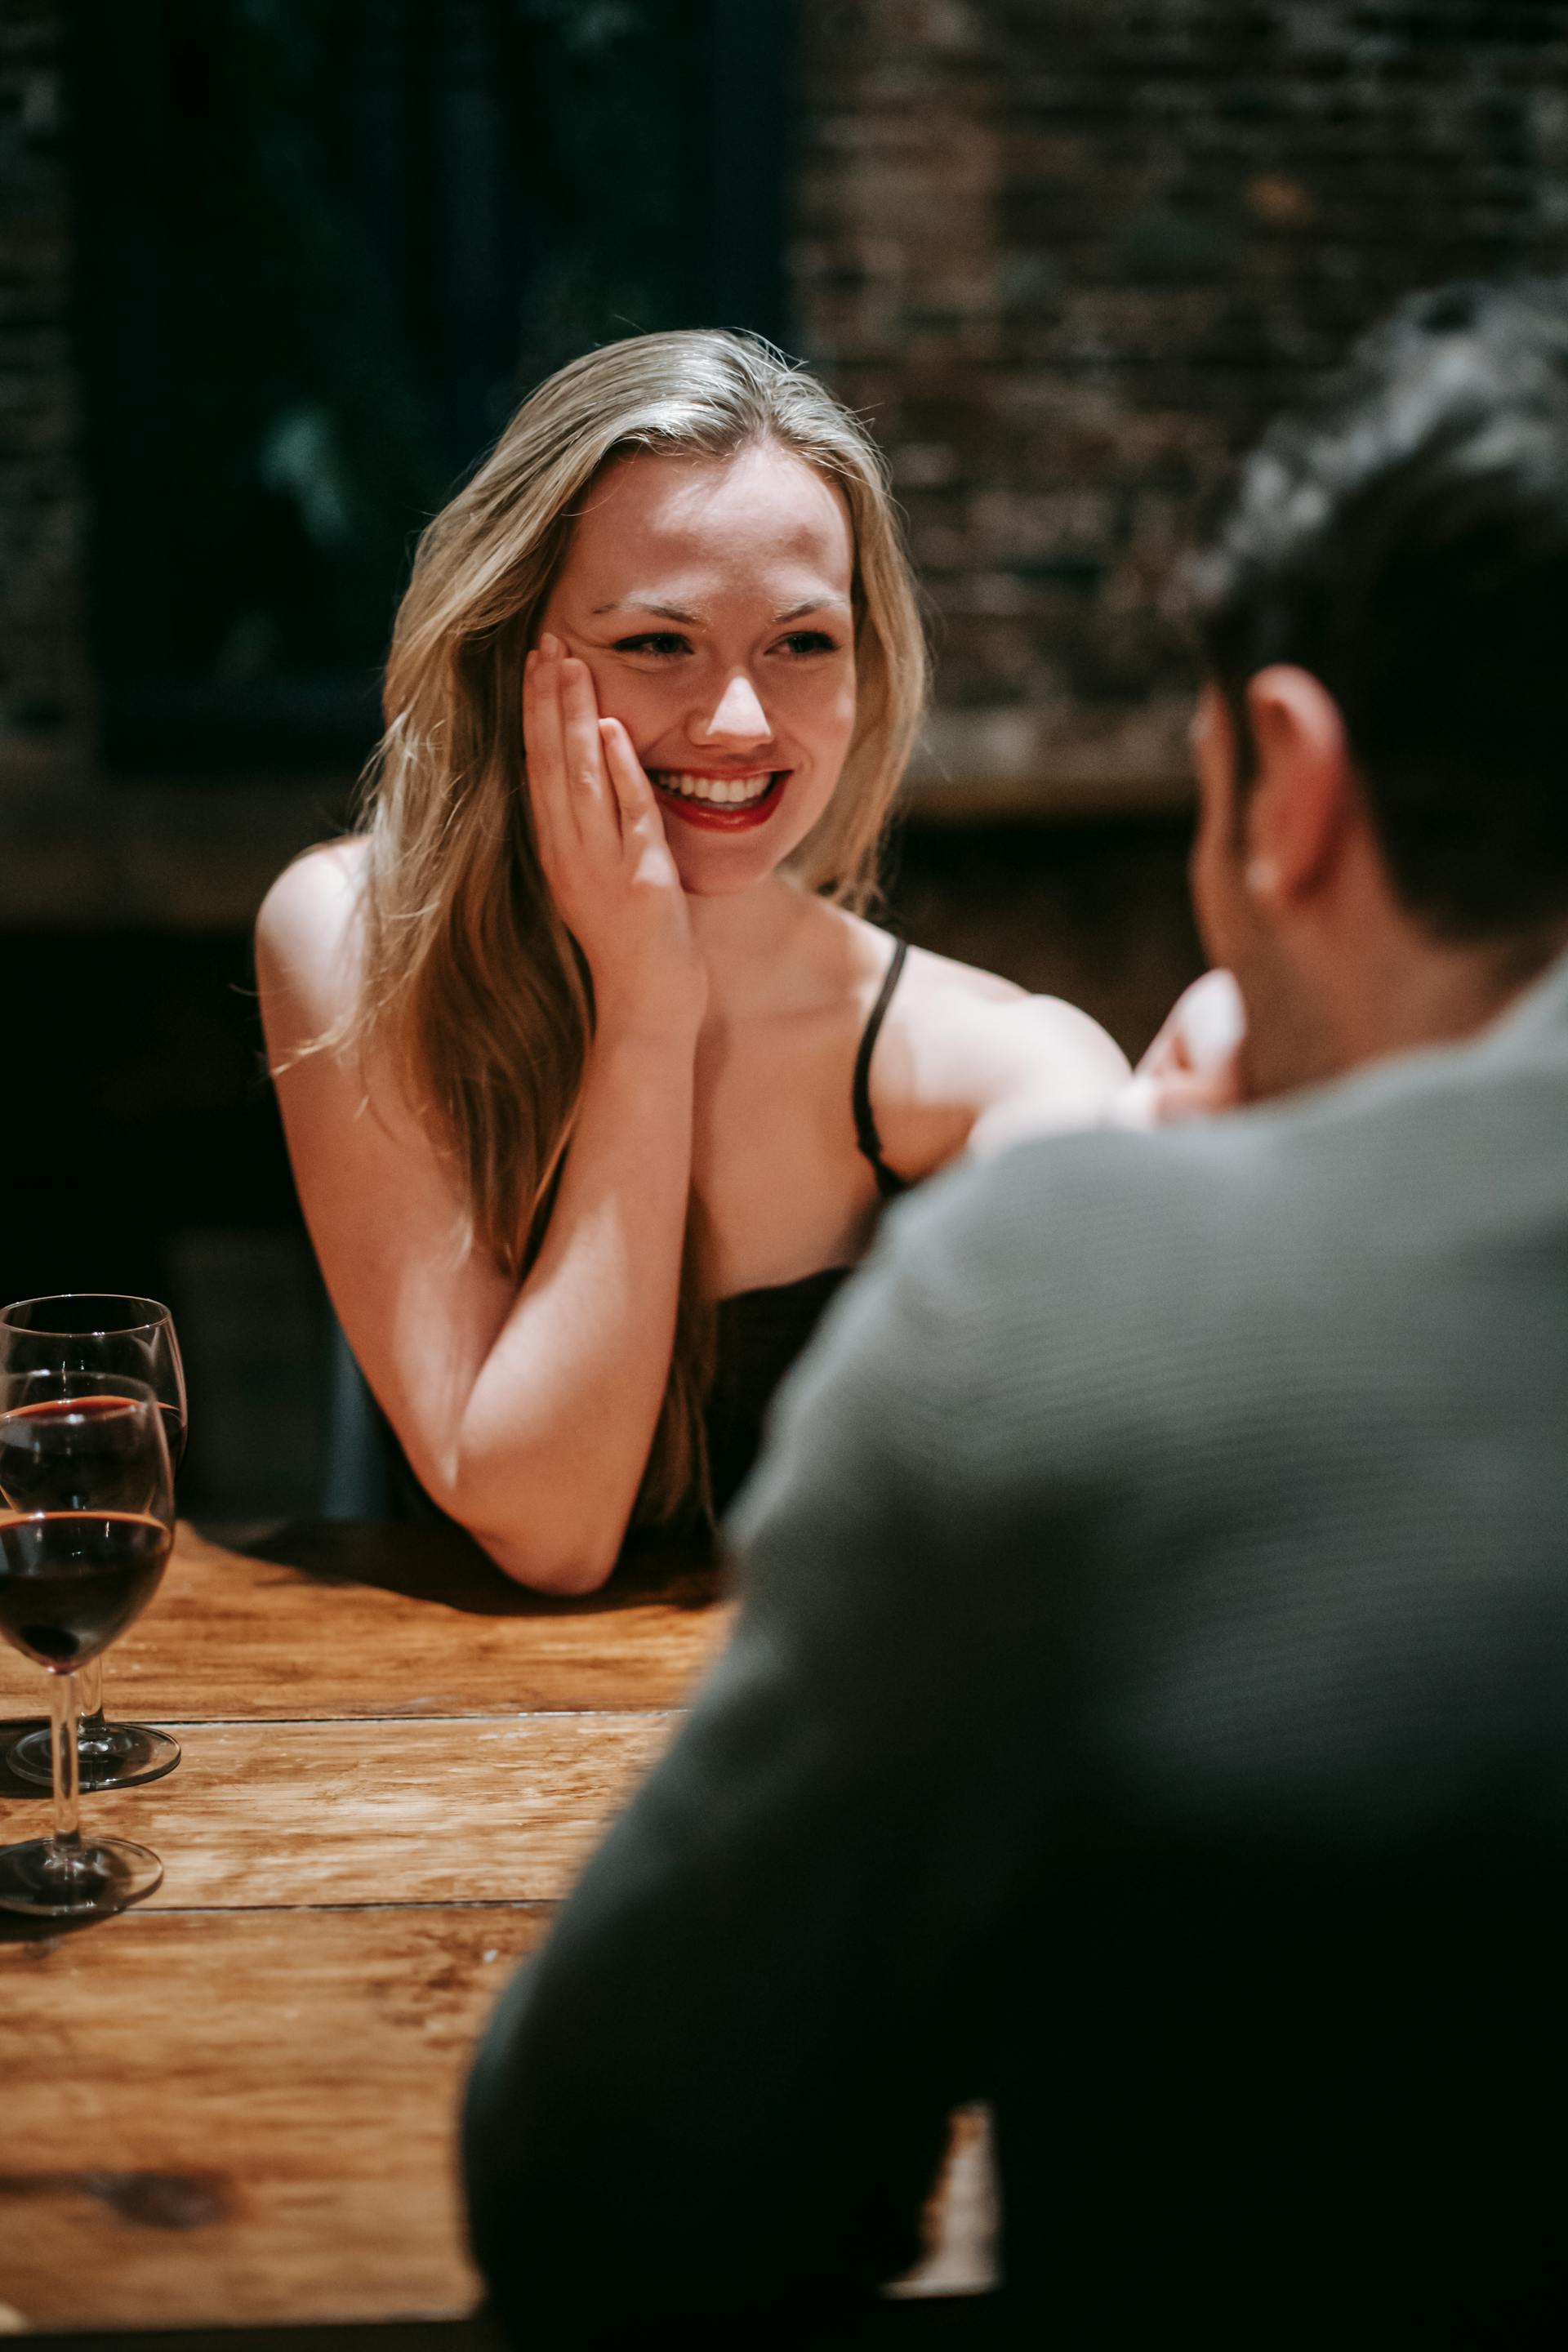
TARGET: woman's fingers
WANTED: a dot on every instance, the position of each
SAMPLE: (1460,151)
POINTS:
(594,802)
(603,849)
(634,793)
(592,799)
(544,743)
(642,828)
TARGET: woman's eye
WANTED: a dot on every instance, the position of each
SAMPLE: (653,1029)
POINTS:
(810,641)
(662,642)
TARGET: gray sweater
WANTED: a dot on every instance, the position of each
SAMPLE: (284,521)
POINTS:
(1149,1711)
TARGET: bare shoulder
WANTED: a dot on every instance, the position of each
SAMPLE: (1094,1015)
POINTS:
(306,937)
(974,1009)
(968,1060)
(313,900)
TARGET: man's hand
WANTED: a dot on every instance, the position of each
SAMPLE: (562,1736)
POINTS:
(1192,1070)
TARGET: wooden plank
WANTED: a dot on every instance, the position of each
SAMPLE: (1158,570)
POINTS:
(475,1811)
(360,1620)
(242,2118)
(175,2157)
(243,2113)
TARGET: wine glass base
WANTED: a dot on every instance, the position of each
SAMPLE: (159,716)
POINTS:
(88,1882)
(122,1756)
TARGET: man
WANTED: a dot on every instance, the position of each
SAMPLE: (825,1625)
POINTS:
(1149,1710)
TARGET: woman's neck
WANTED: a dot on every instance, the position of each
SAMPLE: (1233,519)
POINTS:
(754,942)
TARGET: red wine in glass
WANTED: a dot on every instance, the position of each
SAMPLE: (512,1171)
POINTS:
(71,1581)
(87,1524)
(108,1331)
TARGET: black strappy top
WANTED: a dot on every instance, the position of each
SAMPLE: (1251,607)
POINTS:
(760,1332)
(888,1184)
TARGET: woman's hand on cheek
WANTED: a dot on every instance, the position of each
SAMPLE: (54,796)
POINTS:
(603,849)
(1192,1070)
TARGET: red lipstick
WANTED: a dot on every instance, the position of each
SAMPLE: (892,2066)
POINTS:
(717,817)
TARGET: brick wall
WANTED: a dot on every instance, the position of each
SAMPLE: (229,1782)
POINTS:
(1068,254)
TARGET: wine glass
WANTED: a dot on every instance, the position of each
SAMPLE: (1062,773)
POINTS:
(108,1331)
(86,1523)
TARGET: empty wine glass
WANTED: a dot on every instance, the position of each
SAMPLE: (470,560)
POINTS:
(86,1523)
(100,1331)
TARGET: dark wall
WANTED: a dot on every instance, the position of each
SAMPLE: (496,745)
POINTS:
(142,1152)
(1064,253)
(1069,254)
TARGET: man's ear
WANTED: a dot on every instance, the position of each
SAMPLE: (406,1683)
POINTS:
(1303,797)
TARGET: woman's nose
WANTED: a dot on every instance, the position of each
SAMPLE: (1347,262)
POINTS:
(737,717)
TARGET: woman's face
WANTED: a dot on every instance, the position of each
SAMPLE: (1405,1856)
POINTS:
(710,599)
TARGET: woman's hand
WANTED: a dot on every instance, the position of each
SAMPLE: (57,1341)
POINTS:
(604,851)
(1192,1070)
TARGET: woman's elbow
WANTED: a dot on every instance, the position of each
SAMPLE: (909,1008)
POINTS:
(523,1535)
(565,1573)
(542,1516)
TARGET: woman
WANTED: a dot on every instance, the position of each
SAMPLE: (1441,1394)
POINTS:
(573,1037)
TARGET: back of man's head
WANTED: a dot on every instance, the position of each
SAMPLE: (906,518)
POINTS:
(1405,539)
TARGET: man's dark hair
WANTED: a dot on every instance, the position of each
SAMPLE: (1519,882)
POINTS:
(1405,537)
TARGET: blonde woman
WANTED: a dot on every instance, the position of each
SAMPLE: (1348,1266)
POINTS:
(574,1038)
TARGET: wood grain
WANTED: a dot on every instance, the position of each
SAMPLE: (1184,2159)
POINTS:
(236,2105)
(242,2118)
(360,1621)
(282,1814)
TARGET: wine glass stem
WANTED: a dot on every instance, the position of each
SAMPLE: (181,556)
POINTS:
(90,1682)
(65,1764)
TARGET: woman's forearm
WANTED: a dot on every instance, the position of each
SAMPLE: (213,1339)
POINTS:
(552,1444)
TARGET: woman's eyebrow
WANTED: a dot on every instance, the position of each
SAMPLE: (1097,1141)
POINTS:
(637,605)
(828,603)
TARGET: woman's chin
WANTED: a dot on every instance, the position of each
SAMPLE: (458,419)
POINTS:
(704,875)
(712,864)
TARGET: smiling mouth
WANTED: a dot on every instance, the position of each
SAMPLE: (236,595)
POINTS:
(725,803)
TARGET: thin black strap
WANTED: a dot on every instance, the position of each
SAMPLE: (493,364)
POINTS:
(888,1183)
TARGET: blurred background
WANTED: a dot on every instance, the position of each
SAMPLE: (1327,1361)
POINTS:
(274,272)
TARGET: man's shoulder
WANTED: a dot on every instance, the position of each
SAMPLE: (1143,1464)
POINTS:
(1116,1260)
(1348,1151)
(1094,1348)
(1074,1206)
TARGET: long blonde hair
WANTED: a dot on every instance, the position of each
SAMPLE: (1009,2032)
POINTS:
(471,987)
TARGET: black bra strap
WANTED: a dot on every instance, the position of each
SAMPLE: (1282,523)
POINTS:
(888,1183)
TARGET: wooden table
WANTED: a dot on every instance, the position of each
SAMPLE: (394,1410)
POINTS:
(235,2104)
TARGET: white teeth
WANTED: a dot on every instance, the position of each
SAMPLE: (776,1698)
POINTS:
(721,792)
